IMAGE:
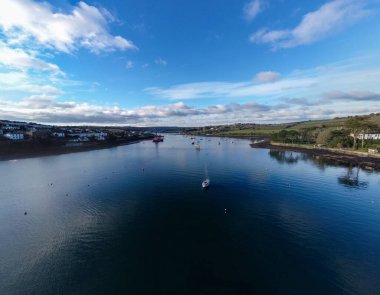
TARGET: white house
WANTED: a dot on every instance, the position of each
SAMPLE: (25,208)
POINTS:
(375,136)
(59,134)
(14,136)
(10,127)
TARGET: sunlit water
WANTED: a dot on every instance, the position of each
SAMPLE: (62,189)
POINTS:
(134,220)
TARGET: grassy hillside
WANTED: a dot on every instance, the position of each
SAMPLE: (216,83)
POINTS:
(270,129)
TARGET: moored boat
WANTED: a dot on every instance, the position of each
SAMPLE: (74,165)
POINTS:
(158,138)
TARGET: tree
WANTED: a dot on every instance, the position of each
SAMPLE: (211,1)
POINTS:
(324,136)
(283,135)
(306,134)
(293,135)
(356,125)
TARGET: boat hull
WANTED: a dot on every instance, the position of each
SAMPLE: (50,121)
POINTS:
(206,183)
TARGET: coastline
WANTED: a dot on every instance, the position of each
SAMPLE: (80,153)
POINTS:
(38,150)
(340,156)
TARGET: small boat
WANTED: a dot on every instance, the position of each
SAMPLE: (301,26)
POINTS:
(206,183)
(158,138)
(197,146)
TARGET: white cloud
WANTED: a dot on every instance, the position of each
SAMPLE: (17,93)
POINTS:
(17,58)
(129,64)
(25,21)
(252,9)
(16,82)
(214,89)
(267,76)
(160,61)
(328,19)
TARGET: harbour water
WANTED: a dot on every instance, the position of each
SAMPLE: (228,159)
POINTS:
(134,220)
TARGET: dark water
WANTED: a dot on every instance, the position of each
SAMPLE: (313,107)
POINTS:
(97,223)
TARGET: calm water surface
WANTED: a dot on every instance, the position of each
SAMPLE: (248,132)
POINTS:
(134,220)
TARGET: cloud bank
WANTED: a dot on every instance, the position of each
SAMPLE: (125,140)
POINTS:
(50,109)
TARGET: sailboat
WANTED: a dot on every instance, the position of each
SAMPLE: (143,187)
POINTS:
(206,181)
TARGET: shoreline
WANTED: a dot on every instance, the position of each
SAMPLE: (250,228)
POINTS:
(343,157)
(36,151)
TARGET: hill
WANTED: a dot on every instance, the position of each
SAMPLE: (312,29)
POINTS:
(267,130)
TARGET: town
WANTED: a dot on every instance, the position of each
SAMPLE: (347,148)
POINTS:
(22,131)
(27,139)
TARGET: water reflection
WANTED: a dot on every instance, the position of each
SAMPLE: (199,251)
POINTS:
(286,157)
(351,178)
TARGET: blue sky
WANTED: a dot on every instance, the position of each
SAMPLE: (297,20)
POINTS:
(188,63)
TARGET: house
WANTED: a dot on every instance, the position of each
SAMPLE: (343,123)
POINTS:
(375,136)
(100,137)
(9,127)
(372,151)
(59,134)
(14,136)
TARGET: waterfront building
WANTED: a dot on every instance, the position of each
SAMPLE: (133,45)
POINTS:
(375,136)
(14,136)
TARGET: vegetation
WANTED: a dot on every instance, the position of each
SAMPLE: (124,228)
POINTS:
(339,132)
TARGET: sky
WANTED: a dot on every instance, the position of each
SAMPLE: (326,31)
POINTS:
(188,63)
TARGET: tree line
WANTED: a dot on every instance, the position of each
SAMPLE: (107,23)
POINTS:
(346,136)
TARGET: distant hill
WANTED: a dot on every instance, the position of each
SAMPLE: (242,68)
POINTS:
(252,129)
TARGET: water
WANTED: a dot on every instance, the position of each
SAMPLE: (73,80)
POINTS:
(134,220)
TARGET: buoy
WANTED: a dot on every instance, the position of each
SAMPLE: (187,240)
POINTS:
(25,213)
